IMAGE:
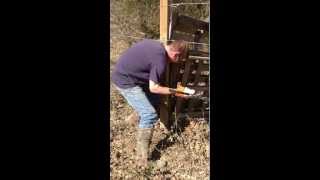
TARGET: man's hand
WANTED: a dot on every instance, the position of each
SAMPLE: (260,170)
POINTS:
(184,90)
(181,95)
(180,91)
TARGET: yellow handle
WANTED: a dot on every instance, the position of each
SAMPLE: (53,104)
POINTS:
(180,88)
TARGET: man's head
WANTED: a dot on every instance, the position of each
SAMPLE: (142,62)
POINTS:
(175,49)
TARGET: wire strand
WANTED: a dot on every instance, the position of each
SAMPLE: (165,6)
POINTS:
(141,38)
(179,4)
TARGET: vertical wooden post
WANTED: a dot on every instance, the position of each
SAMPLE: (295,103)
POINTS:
(165,104)
(164,20)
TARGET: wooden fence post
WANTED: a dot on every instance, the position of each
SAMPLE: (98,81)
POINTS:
(165,104)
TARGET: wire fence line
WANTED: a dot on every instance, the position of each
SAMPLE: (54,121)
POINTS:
(142,38)
(179,4)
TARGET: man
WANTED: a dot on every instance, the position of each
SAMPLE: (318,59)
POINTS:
(137,76)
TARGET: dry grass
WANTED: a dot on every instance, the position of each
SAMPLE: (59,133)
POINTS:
(183,154)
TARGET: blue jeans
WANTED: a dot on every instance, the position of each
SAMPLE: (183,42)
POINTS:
(144,103)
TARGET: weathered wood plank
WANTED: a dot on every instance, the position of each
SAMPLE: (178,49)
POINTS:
(197,88)
(176,35)
(185,76)
(196,80)
(202,52)
(197,36)
(199,57)
(190,25)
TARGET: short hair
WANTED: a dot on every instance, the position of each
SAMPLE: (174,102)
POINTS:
(178,45)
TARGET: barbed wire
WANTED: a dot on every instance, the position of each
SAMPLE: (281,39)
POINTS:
(142,38)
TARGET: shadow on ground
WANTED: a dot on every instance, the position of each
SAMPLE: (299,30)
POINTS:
(166,142)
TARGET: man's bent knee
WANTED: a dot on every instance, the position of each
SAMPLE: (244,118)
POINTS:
(147,120)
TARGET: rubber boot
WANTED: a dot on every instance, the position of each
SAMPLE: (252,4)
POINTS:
(144,136)
(133,118)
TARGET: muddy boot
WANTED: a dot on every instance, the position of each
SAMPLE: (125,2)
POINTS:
(144,136)
(133,118)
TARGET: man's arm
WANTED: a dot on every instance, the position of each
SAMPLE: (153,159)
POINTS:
(157,89)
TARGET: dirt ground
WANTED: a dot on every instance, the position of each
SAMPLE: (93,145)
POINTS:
(180,154)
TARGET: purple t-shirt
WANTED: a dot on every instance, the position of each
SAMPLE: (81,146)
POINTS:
(144,61)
